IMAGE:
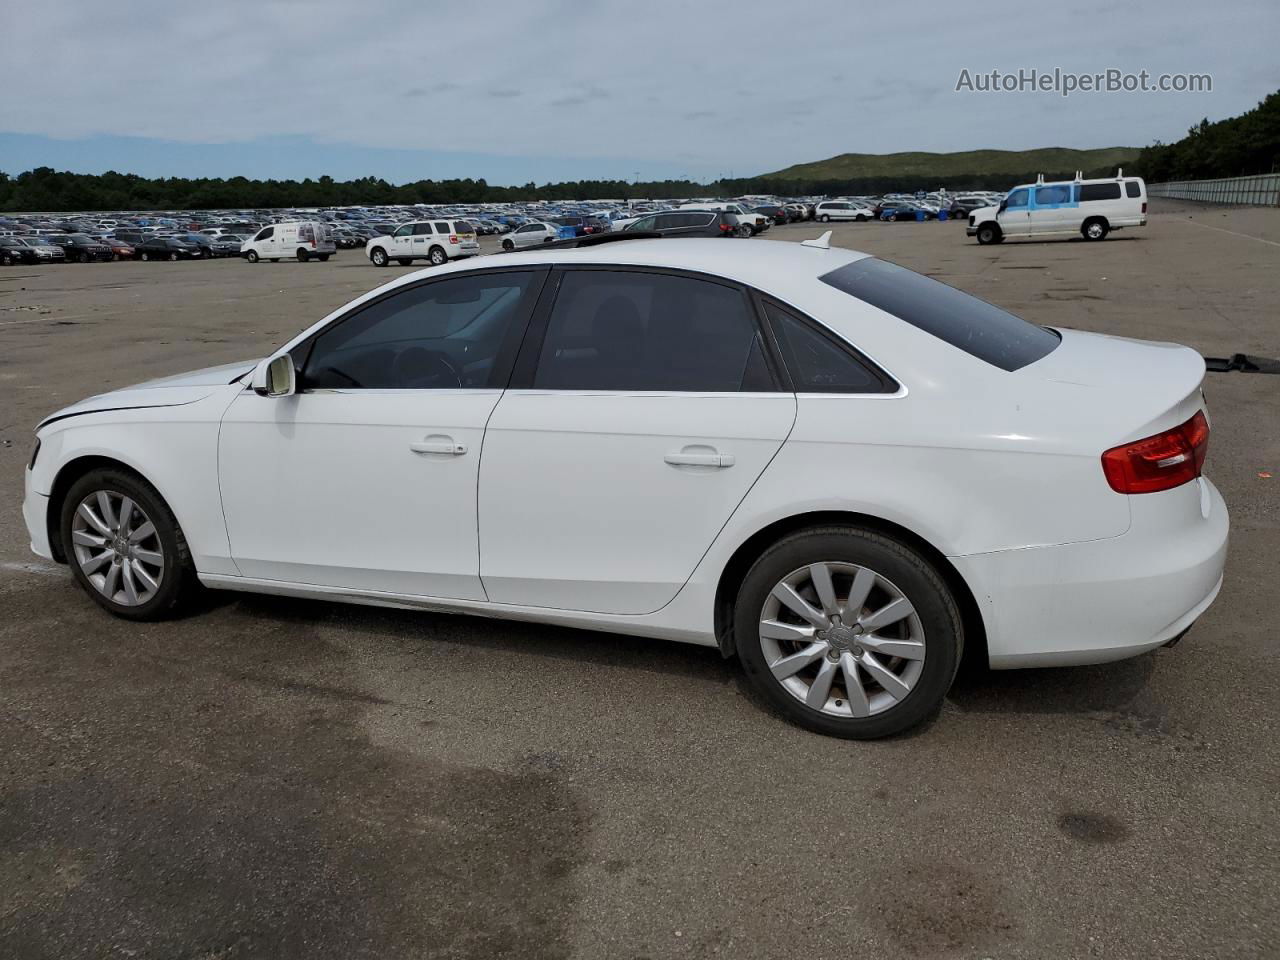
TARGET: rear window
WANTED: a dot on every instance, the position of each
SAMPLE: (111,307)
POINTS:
(978,328)
(461,226)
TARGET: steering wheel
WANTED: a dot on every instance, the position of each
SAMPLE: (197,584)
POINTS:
(423,368)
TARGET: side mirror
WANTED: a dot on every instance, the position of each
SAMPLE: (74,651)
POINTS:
(275,377)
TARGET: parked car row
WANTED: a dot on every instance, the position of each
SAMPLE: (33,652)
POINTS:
(436,233)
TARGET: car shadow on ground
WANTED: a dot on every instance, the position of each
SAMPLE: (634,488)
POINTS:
(1060,690)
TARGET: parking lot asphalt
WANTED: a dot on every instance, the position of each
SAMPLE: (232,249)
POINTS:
(280,778)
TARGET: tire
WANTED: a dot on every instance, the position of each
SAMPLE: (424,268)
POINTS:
(146,256)
(931,628)
(1095,229)
(379,257)
(82,257)
(173,576)
(275,259)
(405,261)
(6,260)
(323,258)
(252,256)
(744,231)
(825,218)
(438,257)
(989,233)
(508,246)
(860,218)
(173,257)
(302,255)
(893,218)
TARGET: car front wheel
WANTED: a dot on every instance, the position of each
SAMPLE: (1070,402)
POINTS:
(379,257)
(848,632)
(125,547)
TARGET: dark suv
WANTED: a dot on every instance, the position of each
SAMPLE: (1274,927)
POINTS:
(82,248)
(686,223)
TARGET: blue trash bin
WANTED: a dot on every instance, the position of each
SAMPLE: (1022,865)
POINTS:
(942,215)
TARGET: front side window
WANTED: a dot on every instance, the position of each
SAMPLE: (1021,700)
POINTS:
(1017,199)
(404,231)
(447,334)
(635,331)
(266,234)
(818,361)
(978,328)
(644,223)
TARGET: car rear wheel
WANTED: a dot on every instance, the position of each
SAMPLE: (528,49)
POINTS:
(252,256)
(988,234)
(825,218)
(1095,229)
(508,246)
(302,255)
(744,231)
(172,257)
(125,547)
(146,256)
(323,258)
(379,257)
(848,632)
(438,257)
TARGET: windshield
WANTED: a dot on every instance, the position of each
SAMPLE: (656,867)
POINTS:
(978,328)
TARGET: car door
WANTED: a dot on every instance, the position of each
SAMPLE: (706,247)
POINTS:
(1051,207)
(642,409)
(365,479)
(1015,217)
(402,240)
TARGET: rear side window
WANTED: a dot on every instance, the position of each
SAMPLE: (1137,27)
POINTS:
(1132,189)
(978,328)
(817,361)
(1055,194)
(1099,191)
(633,331)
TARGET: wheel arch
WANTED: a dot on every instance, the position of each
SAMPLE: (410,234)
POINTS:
(747,552)
(65,478)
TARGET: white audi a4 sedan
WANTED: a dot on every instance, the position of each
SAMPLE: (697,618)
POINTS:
(840,471)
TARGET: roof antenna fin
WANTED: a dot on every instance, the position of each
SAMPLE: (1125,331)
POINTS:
(822,243)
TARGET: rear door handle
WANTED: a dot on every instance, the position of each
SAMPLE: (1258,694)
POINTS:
(445,445)
(699,459)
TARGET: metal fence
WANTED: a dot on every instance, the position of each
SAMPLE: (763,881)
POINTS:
(1262,190)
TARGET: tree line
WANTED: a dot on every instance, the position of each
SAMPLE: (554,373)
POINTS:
(1241,145)
(1235,147)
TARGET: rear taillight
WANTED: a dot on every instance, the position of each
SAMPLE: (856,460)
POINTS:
(1162,462)
(453,238)
(1144,206)
(725,228)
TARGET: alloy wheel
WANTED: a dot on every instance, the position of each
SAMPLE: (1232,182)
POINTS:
(842,639)
(118,548)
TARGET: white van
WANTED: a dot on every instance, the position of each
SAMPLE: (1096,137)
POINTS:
(297,239)
(1091,208)
(829,210)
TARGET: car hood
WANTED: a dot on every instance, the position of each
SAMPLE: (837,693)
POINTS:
(985,213)
(166,392)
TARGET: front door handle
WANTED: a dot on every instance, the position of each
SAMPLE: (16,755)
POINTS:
(446,445)
(682,459)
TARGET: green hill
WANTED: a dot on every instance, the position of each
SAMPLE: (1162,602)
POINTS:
(850,166)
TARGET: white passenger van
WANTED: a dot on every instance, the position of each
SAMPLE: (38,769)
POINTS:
(436,240)
(1091,208)
(298,239)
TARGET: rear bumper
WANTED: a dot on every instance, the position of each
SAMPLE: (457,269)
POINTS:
(1104,600)
(35,511)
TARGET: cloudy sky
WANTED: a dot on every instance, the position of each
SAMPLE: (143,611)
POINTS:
(575,89)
